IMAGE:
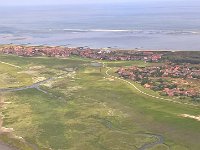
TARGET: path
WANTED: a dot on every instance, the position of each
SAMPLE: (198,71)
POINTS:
(10,64)
(35,85)
(160,138)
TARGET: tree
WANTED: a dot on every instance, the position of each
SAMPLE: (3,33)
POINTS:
(144,81)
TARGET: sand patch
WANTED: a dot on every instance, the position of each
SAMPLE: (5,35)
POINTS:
(6,130)
(69,69)
(3,129)
(36,67)
(49,84)
(38,79)
(111,112)
(33,70)
(190,116)
(109,79)
(29,72)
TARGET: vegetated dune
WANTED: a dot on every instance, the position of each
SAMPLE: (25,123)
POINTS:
(191,116)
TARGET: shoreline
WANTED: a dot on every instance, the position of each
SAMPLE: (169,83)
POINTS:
(99,48)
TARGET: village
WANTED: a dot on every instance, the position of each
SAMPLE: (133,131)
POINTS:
(164,78)
(158,77)
(86,52)
(30,51)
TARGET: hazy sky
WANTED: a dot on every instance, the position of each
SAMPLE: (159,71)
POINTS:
(41,2)
(54,2)
(61,2)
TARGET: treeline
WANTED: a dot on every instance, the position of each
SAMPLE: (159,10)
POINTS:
(184,60)
(183,57)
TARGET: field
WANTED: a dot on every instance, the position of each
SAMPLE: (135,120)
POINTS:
(82,107)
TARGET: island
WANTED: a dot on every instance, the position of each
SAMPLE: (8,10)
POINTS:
(106,98)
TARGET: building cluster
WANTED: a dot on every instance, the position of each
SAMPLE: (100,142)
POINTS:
(153,77)
(119,55)
(30,51)
(101,54)
(167,70)
(181,92)
(180,71)
(158,77)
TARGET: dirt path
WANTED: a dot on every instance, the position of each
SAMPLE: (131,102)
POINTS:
(160,138)
(156,97)
(10,64)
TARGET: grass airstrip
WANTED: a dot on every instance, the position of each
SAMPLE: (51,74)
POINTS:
(81,108)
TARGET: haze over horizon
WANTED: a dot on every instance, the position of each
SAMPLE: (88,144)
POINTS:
(150,24)
(61,2)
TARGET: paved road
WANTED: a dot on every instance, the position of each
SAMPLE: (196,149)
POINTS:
(35,85)
(5,147)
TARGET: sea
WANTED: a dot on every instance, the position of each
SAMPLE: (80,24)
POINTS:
(149,26)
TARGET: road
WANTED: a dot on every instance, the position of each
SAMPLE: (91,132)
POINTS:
(5,147)
(35,85)
(160,138)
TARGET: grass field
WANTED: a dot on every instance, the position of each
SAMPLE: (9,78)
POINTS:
(85,109)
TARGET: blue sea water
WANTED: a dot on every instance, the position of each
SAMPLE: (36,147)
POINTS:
(158,26)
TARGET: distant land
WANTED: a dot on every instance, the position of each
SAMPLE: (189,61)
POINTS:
(152,26)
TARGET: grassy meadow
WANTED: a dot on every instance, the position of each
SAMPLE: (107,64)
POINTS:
(85,109)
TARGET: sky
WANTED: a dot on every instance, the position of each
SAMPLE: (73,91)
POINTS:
(49,2)
(60,2)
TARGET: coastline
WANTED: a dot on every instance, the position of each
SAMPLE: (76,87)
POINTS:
(99,48)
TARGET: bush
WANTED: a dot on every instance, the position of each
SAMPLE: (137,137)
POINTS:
(163,94)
